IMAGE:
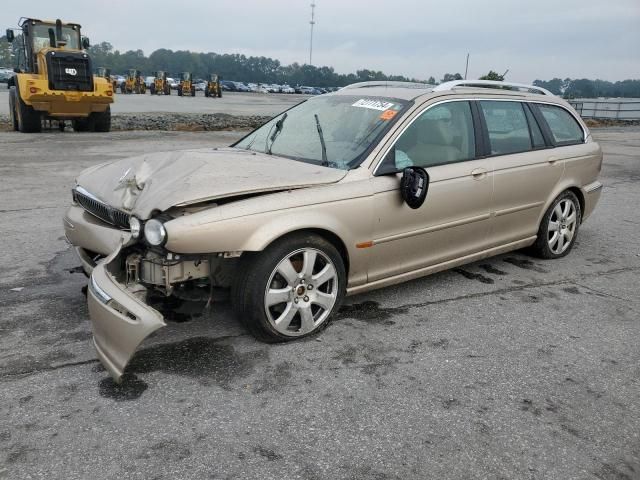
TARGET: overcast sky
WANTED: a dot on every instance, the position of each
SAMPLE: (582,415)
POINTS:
(533,39)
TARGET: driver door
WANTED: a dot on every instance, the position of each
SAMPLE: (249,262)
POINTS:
(454,219)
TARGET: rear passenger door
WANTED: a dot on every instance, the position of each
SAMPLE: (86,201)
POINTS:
(525,169)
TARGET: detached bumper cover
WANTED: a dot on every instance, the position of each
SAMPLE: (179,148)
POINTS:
(120,321)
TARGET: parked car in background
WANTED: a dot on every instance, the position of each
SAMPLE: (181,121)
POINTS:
(150,80)
(242,87)
(228,86)
(173,83)
(200,86)
(287,89)
(5,74)
(374,185)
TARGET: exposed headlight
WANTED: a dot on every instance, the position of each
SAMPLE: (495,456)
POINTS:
(135,226)
(154,232)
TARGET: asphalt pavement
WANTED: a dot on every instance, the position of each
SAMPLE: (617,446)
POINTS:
(509,368)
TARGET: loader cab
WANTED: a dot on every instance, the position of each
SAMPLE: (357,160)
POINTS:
(103,72)
(37,35)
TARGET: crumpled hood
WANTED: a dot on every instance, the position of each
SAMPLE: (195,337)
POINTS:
(158,181)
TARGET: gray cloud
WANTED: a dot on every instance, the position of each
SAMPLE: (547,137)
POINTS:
(541,39)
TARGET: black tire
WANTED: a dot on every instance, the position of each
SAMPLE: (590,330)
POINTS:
(29,120)
(206,91)
(255,272)
(152,90)
(123,89)
(83,124)
(219,92)
(167,90)
(102,121)
(179,91)
(12,109)
(542,247)
(193,91)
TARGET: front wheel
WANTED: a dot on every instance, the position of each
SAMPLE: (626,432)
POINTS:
(559,227)
(291,289)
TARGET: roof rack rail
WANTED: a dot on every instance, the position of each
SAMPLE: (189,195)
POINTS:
(491,84)
(385,83)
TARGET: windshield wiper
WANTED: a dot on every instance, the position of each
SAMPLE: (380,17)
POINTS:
(325,162)
(278,129)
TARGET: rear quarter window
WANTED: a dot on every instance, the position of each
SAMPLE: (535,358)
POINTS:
(564,128)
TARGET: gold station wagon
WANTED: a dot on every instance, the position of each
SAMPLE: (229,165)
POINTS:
(376,184)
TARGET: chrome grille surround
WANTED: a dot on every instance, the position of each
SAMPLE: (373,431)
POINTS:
(100,209)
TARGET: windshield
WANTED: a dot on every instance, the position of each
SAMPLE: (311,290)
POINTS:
(335,130)
(41,37)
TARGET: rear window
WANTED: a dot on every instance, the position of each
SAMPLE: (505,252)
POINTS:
(564,128)
(507,126)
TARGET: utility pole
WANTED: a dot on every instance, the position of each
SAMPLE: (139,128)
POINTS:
(312,23)
(466,69)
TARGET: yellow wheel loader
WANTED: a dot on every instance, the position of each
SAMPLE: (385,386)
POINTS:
(186,86)
(160,86)
(54,79)
(134,83)
(213,88)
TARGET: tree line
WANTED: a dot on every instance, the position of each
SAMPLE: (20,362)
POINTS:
(268,70)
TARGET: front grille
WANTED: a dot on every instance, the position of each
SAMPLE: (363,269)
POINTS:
(70,71)
(99,209)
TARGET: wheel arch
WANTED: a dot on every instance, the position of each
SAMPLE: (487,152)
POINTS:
(331,237)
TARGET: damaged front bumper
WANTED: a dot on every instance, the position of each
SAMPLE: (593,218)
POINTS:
(120,319)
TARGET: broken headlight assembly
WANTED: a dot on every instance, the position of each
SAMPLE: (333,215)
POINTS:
(154,232)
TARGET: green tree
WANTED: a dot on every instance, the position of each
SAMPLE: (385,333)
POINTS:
(492,76)
(448,77)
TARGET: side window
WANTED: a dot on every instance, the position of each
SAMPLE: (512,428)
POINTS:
(564,128)
(442,134)
(507,126)
(536,133)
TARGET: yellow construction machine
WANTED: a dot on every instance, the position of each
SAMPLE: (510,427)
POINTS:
(160,86)
(186,86)
(133,83)
(54,79)
(213,88)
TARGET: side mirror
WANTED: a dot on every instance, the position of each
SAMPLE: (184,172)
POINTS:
(414,186)
(85,43)
(10,35)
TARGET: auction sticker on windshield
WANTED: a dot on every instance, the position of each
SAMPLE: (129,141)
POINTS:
(373,104)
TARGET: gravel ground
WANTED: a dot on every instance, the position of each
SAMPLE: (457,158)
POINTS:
(510,368)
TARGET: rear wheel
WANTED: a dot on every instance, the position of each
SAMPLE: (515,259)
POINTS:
(167,90)
(193,91)
(152,90)
(559,227)
(206,91)
(12,108)
(83,124)
(219,92)
(102,120)
(291,289)
(179,91)
(29,120)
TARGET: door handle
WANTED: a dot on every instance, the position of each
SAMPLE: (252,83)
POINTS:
(552,160)
(478,173)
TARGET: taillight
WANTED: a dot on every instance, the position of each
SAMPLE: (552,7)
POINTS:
(33,90)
